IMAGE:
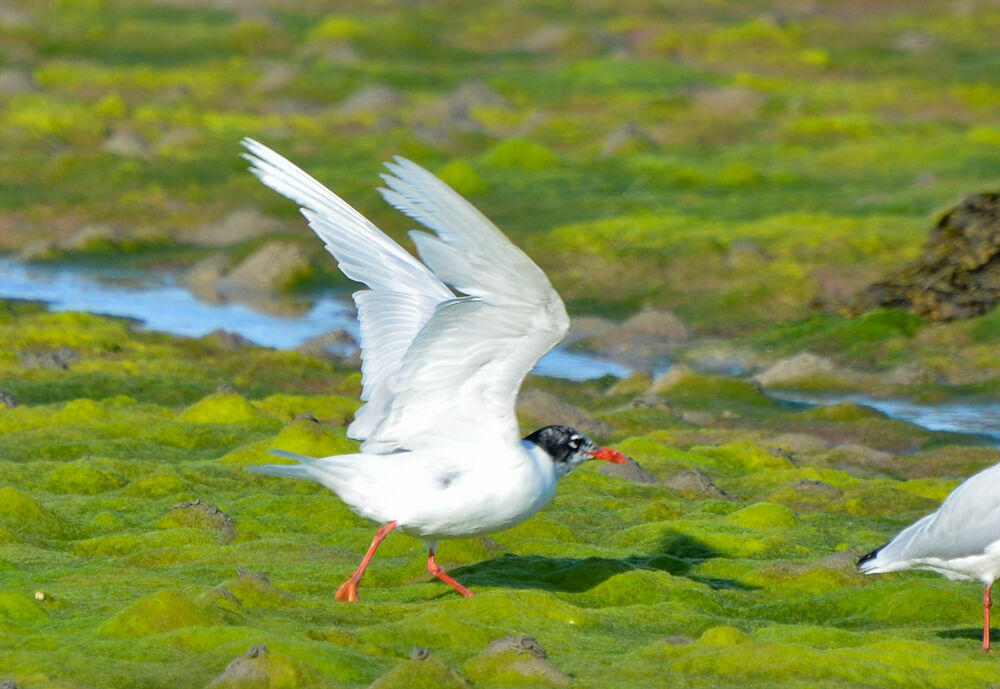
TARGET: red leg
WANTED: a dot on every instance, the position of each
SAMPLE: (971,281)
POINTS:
(348,591)
(987,602)
(433,568)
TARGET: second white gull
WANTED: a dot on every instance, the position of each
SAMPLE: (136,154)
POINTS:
(441,454)
(960,541)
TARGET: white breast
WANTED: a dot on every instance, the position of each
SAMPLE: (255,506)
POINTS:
(452,496)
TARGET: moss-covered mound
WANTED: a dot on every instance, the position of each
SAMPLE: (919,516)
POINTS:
(129,531)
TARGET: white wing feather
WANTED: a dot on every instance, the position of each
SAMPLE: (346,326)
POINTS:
(966,524)
(403,294)
(436,368)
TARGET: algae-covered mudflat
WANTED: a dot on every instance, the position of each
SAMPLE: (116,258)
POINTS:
(741,573)
(747,165)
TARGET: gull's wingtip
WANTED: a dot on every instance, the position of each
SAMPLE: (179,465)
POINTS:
(255,150)
(251,143)
(402,167)
(863,561)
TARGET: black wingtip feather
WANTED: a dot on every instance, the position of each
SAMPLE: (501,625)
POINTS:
(869,556)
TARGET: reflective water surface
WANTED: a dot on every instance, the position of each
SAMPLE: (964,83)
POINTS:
(161,304)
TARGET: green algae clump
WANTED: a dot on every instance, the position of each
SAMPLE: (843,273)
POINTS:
(79,411)
(221,407)
(520,154)
(262,669)
(81,478)
(157,613)
(462,177)
(313,439)
(723,636)
(515,661)
(156,485)
(763,515)
(26,513)
(254,590)
(421,673)
(18,606)
(195,514)
(333,409)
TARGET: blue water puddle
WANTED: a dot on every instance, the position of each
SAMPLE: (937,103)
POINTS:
(161,304)
(954,417)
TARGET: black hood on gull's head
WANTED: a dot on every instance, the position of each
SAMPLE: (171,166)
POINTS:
(569,448)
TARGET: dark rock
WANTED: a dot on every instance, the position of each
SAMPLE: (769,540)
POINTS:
(342,54)
(866,457)
(635,384)
(648,335)
(127,144)
(14,80)
(428,672)
(747,254)
(585,327)
(911,374)
(658,324)
(201,515)
(338,345)
(797,443)
(817,489)
(274,266)
(205,274)
(228,341)
(261,668)
(629,138)
(958,273)
(915,42)
(377,98)
(178,139)
(253,590)
(225,599)
(305,416)
(799,367)
(8,684)
(475,94)
(38,250)
(548,39)
(630,471)
(728,101)
(843,561)
(8,400)
(94,237)
(694,483)
(546,409)
(697,418)
(256,651)
(517,655)
(58,359)
(238,226)
(649,401)
(276,77)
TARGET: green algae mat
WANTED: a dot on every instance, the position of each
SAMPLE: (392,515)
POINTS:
(745,164)
(735,161)
(136,552)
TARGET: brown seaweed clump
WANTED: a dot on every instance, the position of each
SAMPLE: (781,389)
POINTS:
(957,275)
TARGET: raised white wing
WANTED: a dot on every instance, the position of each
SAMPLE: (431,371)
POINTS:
(403,294)
(436,368)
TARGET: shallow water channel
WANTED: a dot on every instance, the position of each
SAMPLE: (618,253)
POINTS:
(162,304)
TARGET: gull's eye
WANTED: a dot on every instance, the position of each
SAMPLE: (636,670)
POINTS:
(574,442)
